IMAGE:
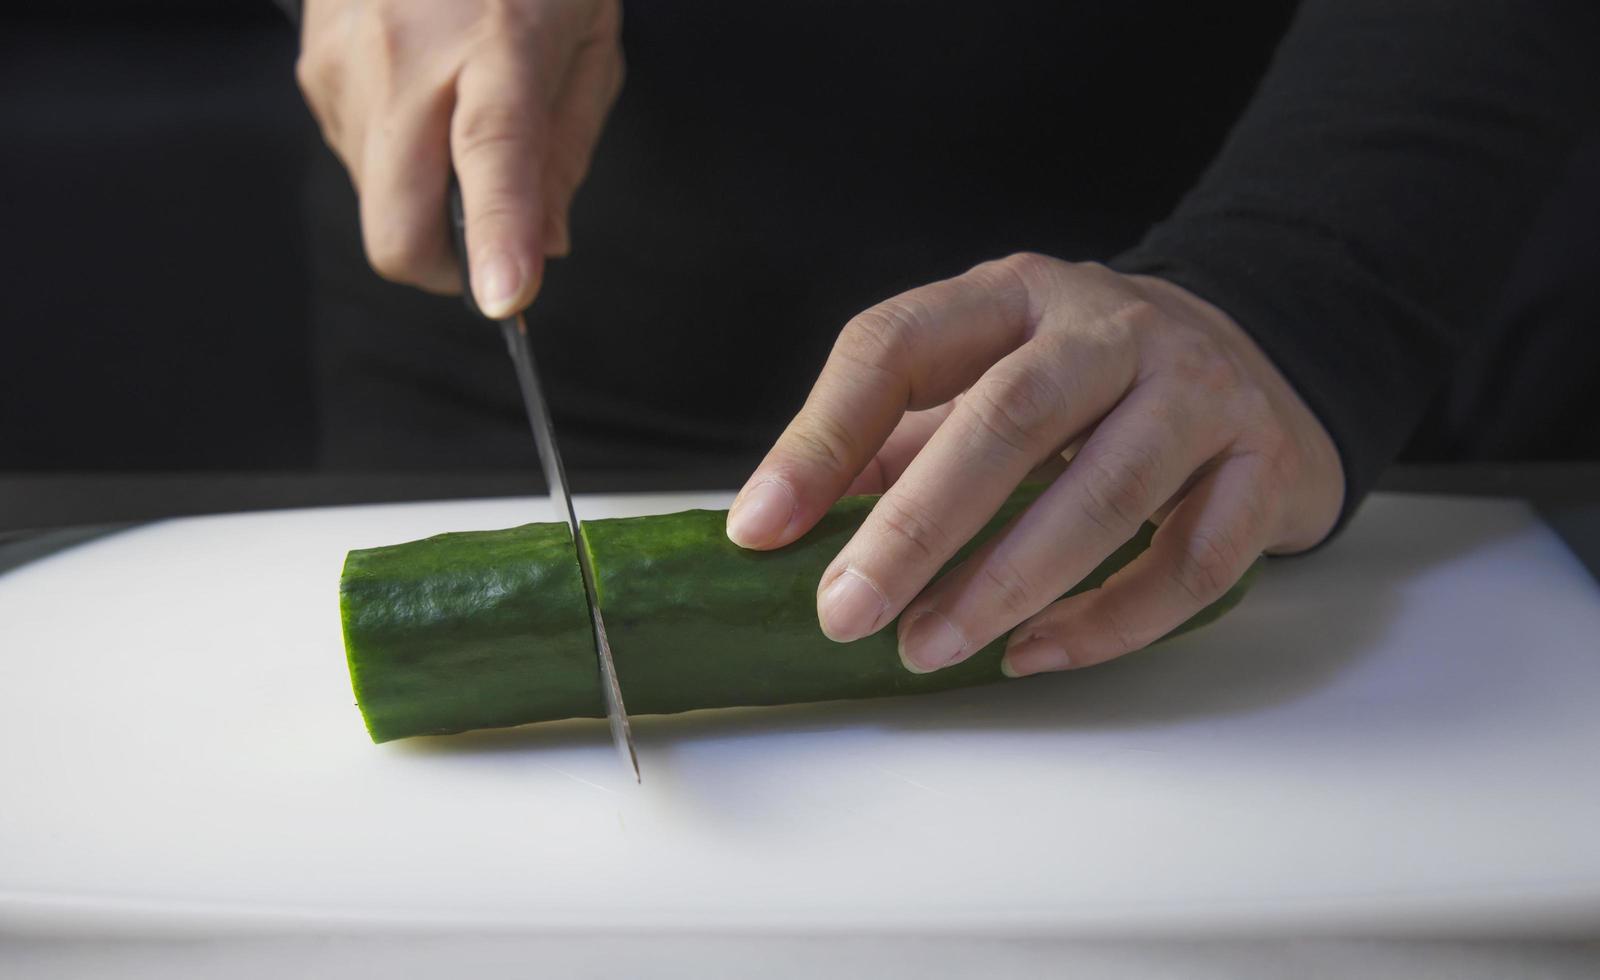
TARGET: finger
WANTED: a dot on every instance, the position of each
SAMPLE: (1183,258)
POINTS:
(1134,460)
(1206,544)
(899,449)
(404,171)
(576,120)
(323,73)
(911,352)
(1018,414)
(497,141)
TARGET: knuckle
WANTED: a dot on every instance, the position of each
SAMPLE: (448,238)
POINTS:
(1252,408)
(500,210)
(1118,487)
(499,17)
(1199,364)
(1136,318)
(1011,406)
(310,73)
(1267,439)
(1261,505)
(319,78)
(823,442)
(1279,466)
(488,129)
(1016,281)
(1030,267)
(518,28)
(912,527)
(1006,585)
(1096,283)
(881,335)
(395,253)
(1205,566)
(381,32)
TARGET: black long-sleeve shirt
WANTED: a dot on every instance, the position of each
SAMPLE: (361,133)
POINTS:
(1367,208)
(770,171)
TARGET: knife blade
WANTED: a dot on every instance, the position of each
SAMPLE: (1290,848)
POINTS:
(515,332)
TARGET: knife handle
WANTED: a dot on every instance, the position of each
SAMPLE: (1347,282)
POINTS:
(457,219)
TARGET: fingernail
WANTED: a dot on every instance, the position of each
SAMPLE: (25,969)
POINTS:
(760,514)
(1034,656)
(931,642)
(498,283)
(850,608)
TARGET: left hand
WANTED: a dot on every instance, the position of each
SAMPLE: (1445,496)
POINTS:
(946,397)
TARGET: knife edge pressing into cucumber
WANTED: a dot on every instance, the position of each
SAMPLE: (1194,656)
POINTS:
(514,329)
(487,629)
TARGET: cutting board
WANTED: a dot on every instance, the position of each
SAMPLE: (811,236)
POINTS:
(1399,732)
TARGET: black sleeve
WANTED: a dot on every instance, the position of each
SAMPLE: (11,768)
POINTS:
(1365,210)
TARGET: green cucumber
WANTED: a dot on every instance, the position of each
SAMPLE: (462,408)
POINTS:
(485,629)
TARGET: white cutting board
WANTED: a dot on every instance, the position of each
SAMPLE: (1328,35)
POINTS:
(1401,732)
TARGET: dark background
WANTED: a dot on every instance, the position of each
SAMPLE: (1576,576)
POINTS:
(154,309)
(184,288)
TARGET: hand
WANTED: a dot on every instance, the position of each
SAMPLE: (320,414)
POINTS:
(514,92)
(946,397)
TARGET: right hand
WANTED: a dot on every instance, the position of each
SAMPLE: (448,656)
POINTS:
(513,92)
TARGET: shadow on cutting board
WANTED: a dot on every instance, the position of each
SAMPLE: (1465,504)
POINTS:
(1306,621)
(18,548)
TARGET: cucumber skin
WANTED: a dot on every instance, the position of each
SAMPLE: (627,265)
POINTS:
(486,629)
(476,629)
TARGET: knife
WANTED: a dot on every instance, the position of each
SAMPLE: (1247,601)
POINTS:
(515,331)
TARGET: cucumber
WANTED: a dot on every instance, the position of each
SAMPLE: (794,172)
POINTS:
(485,629)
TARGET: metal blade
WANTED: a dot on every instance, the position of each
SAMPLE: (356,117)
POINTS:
(516,334)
